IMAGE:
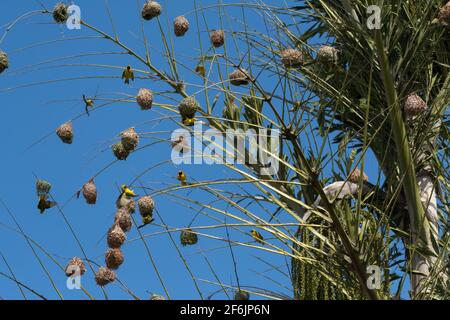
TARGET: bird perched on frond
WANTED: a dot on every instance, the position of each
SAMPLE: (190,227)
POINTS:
(257,236)
(189,122)
(45,204)
(181,176)
(89,103)
(128,74)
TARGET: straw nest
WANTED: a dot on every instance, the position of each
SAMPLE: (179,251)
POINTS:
(355,176)
(127,203)
(60,12)
(146,206)
(239,77)
(123,219)
(241,295)
(444,15)
(65,132)
(43,187)
(129,139)
(157,297)
(116,237)
(328,55)
(104,276)
(217,38)
(75,266)
(188,237)
(120,152)
(188,107)
(4,62)
(292,58)
(114,258)
(414,105)
(145,99)
(180,26)
(151,9)
(89,191)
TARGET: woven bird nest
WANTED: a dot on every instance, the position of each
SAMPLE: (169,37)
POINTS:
(444,15)
(120,151)
(116,237)
(60,13)
(145,99)
(129,139)
(157,297)
(89,191)
(239,77)
(217,38)
(180,26)
(328,55)
(104,276)
(75,266)
(126,203)
(123,219)
(355,176)
(188,107)
(414,105)
(151,9)
(4,62)
(114,258)
(65,132)
(241,295)
(43,187)
(146,206)
(292,58)
(188,237)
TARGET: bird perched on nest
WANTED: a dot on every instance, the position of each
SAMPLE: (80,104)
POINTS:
(125,197)
(257,236)
(128,74)
(189,122)
(181,176)
(45,204)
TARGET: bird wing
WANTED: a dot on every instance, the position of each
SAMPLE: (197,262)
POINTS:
(124,74)
(132,75)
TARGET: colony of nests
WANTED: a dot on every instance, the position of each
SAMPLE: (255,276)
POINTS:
(151,9)
(414,105)
(65,132)
(180,26)
(129,141)
(239,77)
(4,63)
(355,176)
(444,15)
(60,13)
(145,99)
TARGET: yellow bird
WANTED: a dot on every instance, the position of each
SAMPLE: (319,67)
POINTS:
(257,236)
(89,103)
(146,220)
(127,191)
(128,74)
(189,122)
(45,204)
(182,177)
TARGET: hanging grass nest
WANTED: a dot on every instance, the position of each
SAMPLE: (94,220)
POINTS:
(123,219)
(188,237)
(188,107)
(104,276)
(355,176)
(116,237)
(328,55)
(65,132)
(217,38)
(43,187)
(146,206)
(151,9)
(414,105)
(239,77)
(292,58)
(4,62)
(126,203)
(114,258)
(241,295)
(60,13)
(157,297)
(120,151)
(145,99)
(444,15)
(89,191)
(180,26)
(75,266)
(129,139)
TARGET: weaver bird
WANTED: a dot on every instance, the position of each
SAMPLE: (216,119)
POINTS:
(128,74)
(181,176)
(257,236)
(89,103)
(189,122)
(127,191)
(146,220)
(45,204)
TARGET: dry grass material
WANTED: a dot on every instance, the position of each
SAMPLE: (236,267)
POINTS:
(180,26)
(188,107)
(414,105)
(4,62)
(104,276)
(65,132)
(146,206)
(239,77)
(129,139)
(355,176)
(328,55)
(157,297)
(89,191)
(60,13)
(43,187)
(444,15)
(75,266)
(241,295)
(123,219)
(116,237)
(188,237)
(114,258)
(292,58)
(145,99)
(150,10)
(120,152)
(217,38)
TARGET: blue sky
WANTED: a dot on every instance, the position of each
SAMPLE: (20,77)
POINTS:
(31,112)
